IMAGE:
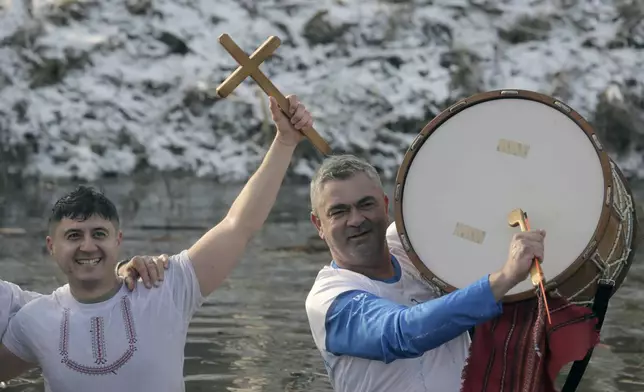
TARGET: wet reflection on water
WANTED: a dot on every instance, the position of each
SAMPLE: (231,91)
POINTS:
(252,334)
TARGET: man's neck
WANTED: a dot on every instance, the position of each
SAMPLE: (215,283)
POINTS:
(91,294)
(382,270)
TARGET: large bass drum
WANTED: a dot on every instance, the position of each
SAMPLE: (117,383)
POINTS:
(497,151)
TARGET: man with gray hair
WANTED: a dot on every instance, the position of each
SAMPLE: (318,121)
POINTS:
(378,325)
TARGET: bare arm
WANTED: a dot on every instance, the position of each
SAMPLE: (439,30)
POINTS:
(500,284)
(215,254)
(12,366)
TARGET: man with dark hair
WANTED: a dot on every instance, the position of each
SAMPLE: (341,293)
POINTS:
(149,269)
(86,263)
(94,334)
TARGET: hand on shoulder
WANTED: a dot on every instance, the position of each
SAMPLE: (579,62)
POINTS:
(150,269)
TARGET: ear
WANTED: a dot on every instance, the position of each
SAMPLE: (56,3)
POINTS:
(50,245)
(318,224)
(387,209)
(119,238)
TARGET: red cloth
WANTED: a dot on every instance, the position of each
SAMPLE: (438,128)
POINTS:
(504,355)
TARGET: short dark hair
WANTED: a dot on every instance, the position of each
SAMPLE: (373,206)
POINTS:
(82,203)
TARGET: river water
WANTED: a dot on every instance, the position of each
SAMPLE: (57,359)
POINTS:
(252,334)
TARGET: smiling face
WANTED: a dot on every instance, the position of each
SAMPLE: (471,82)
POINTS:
(350,214)
(84,240)
(86,250)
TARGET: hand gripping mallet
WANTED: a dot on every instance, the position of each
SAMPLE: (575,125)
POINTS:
(519,218)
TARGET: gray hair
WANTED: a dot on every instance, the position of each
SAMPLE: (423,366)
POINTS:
(340,167)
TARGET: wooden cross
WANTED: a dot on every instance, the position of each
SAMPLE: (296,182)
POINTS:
(249,66)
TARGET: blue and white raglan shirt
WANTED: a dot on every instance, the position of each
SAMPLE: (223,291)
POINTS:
(396,335)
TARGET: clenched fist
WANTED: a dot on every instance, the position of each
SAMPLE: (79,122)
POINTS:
(524,247)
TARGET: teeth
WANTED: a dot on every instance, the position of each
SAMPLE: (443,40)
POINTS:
(88,261)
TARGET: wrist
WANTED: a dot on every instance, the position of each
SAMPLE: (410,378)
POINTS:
(285,142)
(500,284)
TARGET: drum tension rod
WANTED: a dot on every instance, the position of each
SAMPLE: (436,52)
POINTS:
(520,218)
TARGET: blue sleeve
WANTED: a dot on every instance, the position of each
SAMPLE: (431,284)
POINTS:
(363,325)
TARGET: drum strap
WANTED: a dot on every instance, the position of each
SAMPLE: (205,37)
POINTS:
(600,305)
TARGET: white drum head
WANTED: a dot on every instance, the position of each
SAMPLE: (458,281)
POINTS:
(482,163)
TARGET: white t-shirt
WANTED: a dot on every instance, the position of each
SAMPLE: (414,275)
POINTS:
(12,298)
(132,342)
(398,335)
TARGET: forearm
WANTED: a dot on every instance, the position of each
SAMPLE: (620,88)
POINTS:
(216,253)
(500,284)
(362,325)
(12,366)
(251,208)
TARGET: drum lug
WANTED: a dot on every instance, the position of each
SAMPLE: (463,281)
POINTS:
(457,105)
(405,242)
(439,283)
(597,142)
(562,106)
(551,285)
(414,144)
(397,192)
(589,249)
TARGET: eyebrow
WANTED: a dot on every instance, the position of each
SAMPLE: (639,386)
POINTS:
(340,206)
(68,231)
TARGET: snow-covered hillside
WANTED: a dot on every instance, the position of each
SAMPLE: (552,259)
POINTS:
(89,88)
